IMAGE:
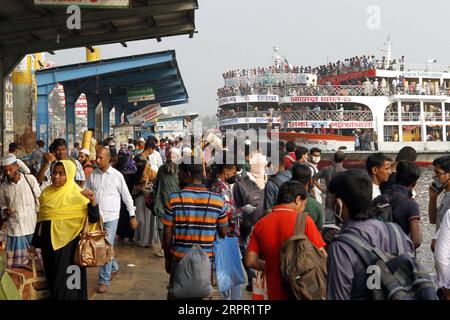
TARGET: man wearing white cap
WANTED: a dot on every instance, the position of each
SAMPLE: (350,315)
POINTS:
(19,203)
(84,158)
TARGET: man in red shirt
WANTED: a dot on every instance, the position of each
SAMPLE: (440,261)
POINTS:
(273,230)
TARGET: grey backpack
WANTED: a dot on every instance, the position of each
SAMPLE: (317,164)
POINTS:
(402,277)
(192,275)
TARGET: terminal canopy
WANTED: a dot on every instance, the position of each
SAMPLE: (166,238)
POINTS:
(26,28)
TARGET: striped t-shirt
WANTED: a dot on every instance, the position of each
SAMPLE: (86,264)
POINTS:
(197,223)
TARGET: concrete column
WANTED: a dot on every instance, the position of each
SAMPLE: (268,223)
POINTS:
(70,121)
(118,115)
(106,106)
(92,100)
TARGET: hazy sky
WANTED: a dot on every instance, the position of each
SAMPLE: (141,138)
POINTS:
(236,34)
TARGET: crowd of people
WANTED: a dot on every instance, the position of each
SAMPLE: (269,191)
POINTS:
(359,63)
(202,209)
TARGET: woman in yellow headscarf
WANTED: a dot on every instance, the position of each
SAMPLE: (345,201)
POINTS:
(64,208)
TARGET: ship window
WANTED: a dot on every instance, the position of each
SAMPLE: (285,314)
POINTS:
(432,112)
(434,133)
(391,134)
(412,133)
(447,112)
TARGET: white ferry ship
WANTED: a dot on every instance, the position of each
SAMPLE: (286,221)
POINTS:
(360,103)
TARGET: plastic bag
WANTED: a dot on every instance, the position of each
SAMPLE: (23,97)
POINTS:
(192,277)
(259,287)
(229,271)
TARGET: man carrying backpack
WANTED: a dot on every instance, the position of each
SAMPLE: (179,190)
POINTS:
(193,216)
(274,183)
(355,255)
(405,210)
(271,232)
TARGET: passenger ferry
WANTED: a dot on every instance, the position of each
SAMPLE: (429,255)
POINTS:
(358,104)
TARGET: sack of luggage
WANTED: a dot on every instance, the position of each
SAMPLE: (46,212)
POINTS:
(303,266)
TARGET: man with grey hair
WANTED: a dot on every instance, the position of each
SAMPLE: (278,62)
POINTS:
(19,203)
(109,187)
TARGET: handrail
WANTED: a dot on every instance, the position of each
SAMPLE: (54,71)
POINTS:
(305,115)
(331,90)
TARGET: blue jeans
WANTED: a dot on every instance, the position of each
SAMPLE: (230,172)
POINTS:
(104,274)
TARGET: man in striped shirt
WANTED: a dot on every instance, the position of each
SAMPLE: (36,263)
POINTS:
(193,216)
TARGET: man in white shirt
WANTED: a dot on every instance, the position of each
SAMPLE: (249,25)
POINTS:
(19,202)
(442,256)
(378,166)
(313,161)
(155,159)
(109,188)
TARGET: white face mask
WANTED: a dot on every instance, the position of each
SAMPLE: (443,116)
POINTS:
(316,160)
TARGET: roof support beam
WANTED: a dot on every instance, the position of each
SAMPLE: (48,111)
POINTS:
(92,16)
(145,33)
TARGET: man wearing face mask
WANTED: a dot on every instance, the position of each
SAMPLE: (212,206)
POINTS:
(441,183)
(313,162)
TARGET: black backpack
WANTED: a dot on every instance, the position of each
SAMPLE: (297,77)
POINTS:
(384,206)
(401,276)
(246,191)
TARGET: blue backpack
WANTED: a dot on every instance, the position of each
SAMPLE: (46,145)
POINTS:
(401,276)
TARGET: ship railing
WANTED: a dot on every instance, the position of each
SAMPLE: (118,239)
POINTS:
(391,116)
(227,114)
(410,116)
(306,115)
(432,116)
(332,90)
(420,67)
(268,79)
(329,115)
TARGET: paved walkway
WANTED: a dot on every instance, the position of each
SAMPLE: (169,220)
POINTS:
(141,276)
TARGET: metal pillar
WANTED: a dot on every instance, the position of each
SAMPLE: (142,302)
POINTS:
(106,106)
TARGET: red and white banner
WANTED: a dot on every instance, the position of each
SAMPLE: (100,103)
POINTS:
(331,124)
(297,99)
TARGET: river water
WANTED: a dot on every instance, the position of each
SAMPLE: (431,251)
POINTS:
(424,253)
